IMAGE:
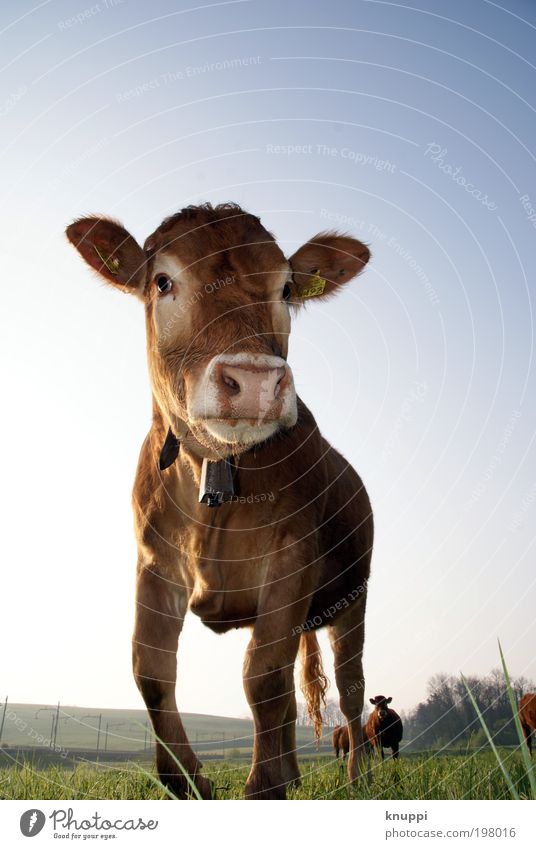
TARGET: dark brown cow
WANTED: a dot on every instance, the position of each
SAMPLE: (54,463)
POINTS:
(527,717)
(384,727)
(287,549)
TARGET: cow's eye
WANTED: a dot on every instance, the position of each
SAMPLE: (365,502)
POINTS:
(286,292)
(164,284)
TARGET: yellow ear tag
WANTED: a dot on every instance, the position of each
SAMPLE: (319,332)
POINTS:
(315,286)
(111,264)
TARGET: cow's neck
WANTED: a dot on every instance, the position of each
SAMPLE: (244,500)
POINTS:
(183,434)
(213,475)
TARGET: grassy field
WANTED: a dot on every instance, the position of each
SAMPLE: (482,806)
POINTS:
(475,776)
(44,759)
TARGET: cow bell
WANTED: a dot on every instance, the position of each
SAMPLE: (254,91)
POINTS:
(216,484)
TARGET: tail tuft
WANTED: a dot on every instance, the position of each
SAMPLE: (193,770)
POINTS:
(314,683)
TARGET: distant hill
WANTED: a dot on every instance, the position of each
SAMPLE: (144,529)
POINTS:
(29,726)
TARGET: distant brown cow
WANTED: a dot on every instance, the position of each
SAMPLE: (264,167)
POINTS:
(384,727)
(341,741)
(527,716)
(287,548)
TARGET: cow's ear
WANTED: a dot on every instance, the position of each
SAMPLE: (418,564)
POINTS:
(389,700)
(372,701)
(324,264)
(111,251)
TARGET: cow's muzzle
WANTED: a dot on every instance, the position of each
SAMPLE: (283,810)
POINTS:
(244,392)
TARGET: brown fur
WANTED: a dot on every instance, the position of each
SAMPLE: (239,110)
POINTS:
(293,554)
(384,727)
(341,740)
(527,717)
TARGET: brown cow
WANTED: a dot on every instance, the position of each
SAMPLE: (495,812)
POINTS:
(384,727)
(341,741)
(287,549)
(527,716)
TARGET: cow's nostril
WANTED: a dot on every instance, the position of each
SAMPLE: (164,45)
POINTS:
(277,387)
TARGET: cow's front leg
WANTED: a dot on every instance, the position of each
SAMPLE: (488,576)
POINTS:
(160,610)
(268,673)
(269,683)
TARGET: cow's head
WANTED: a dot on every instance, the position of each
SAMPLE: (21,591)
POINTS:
(217,291)
(381,703)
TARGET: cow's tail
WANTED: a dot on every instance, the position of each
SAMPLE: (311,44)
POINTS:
(314,683)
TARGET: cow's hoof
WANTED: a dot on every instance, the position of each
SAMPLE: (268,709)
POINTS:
(204,786)
(254,790)
(181,788)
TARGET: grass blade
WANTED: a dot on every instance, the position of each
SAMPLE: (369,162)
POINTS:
(511,786)
(527,760)
(191,783)
(156,780)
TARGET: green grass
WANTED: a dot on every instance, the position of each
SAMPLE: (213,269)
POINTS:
(528,768)
(476,776)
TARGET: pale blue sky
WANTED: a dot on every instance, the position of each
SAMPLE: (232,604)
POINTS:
(421,373)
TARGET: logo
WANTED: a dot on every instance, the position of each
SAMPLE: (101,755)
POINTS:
(31,822)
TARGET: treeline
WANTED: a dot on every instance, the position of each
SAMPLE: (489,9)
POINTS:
(446,718)
(331,714)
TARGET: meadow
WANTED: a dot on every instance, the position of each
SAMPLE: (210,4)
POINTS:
(415,776)
(490,773)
